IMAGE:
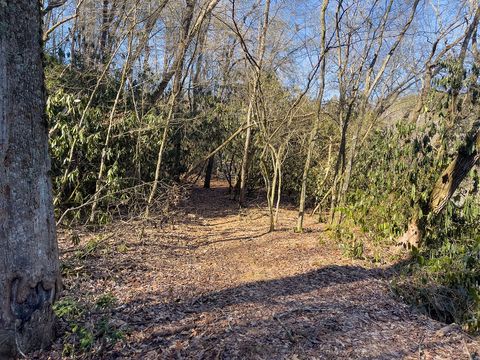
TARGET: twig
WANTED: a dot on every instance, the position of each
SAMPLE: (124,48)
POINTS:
(299,310)
(91,199)
(420,348)
(470,356)
(287,330)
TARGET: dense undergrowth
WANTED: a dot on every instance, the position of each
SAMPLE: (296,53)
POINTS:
(392,183)
(81,135)
(394,176)
(84,130)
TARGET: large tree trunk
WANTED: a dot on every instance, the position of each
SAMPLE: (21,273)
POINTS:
(29,272)
(468,155)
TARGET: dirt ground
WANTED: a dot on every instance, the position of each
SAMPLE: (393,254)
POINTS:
(217,285)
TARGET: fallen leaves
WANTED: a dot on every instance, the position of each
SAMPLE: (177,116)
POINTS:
(217,286)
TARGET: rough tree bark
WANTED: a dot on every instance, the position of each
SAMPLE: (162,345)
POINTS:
(29,271)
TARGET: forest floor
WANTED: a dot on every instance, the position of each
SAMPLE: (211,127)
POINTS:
(216,285)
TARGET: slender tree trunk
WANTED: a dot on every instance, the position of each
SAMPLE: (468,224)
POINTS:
(256,83)
(339,166)
(306,171)
(316,125)
(270,186)
(279,190)
(229,174)
(471,30)
(161,149)
(104,29)
(29,270)
(73,36)
(177,130)
(138,118)
(244,168)
(197,72)
(182,48)
(208,172)
(273,189)
(103,158)
(350,158)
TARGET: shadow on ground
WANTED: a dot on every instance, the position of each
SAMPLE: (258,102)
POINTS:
(333,312)
(188,294)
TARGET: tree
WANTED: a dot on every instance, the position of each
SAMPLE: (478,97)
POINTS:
(467,155)
(29,271)
(257,71)
(359,85)
(316,123)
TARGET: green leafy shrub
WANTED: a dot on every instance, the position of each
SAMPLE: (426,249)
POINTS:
(393,178)
(444,281)
(85,328)
(78,123)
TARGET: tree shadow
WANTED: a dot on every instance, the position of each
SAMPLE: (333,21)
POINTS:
(333,312)
(216,202)
(228,239)
(211,203)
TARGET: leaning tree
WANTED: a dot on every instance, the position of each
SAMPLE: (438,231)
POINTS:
(29,271)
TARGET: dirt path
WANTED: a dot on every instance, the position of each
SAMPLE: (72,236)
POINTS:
(217,286)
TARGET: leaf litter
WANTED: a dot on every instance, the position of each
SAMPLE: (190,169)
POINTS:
(214,284)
